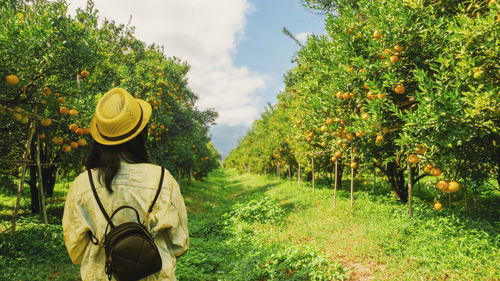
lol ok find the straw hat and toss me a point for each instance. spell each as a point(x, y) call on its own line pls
point(119, 117)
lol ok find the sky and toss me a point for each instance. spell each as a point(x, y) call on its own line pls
point(236, 49)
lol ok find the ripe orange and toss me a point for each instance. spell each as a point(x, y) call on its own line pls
point(421, 149)
point(43, 102)
point(12, 79)
point(365, 116)
point(323, 144)
point(17, 116)
point(333, 159)
point(299, 122)
point(57, 95)
point(339, 94)
point(399, 89)
point(73, 145)
point(377, 35)
point(359, 134)
point(57, 140)
point(329, 121)
point(349, 137)
point(47, 91)
point(381, 95)
point(338, 154)
point(365, 86)
point(84, 74)
point(340, 142)
point(427, 168)
point(435, 171)
point(73, 112)
point(438, 206)
point(370, 95)
point(64, 110)
point(73, 127)
point(41, 136)
point(453, 186)
point(413, 158)
point(323, 128)
point(86, 131)
point(379, 140)
point(60, 100)
point(365, 183)
point(346, 95)
point(46, 122)
point(442, 185)
point(398, 48)
point(354, 165)
point(79, 131)
point(66, 148)
point(394, 58)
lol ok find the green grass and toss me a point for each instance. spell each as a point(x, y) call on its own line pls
point(250, 227)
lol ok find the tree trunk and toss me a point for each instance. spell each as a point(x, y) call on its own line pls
point(35, 206)
point(397, 181)
point(340, 170)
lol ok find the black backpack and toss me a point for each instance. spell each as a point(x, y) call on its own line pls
point(131, 253)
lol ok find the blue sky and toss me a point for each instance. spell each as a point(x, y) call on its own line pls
point(236, 49)
point(265, 49)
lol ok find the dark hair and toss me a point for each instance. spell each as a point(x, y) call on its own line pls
point(106, 158)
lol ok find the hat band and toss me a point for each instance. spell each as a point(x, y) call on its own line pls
point(124, 136)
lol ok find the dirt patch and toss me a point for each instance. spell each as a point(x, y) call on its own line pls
point(360, 270)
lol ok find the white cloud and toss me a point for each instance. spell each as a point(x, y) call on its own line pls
point(203, 33)
point(302, 37)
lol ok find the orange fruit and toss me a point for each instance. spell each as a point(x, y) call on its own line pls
point(333, 159)
point(354, 165)
point(84, 74)
point(346, 95)
point(323, 144)
point(57, 140)
point(86, 131)
point(381, 95)
point(299, 122)
point(43, 102)
point(413, 158)
point(442, 185)
point(394, 58)
point(25, 120)
point(17, 116)
point(73, 112)
point(377, 35)
point(427, 168)
point(365, 116)
point(63, 110)
point(399, 89)
point(79, 131)
point(73, 127)
point(370, 95)
point(398, 48)
point(339, 94)
point(66, 148)
point(323, 128)
point(60, 100)
point(338, 154)
point(359, 134)
point(340, 142)
point(349, 137)
point(438, 206)
point(421, 149)
point(365, 86)
point(73, 145)
point(379, 140)
point(47, 91)
point(435, 171)
point(57, 95)
point(41, 136)
point(329, 121)
point(46, 122)
point(12, 79)
point(453, 186)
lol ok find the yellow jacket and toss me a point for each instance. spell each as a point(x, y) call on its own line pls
point(134, 185)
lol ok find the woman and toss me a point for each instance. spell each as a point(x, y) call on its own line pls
point(122, 175)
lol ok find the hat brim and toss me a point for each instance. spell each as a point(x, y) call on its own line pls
point(146, 111)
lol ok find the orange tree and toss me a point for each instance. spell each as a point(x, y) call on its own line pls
point(57, 67)
point(405, 83)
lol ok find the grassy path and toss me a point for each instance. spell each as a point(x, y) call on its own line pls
point(249, 227)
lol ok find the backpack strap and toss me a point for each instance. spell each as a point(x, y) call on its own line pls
point(156, 195)
point(97, 199)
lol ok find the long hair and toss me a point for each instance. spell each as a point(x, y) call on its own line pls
point(106, 158)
